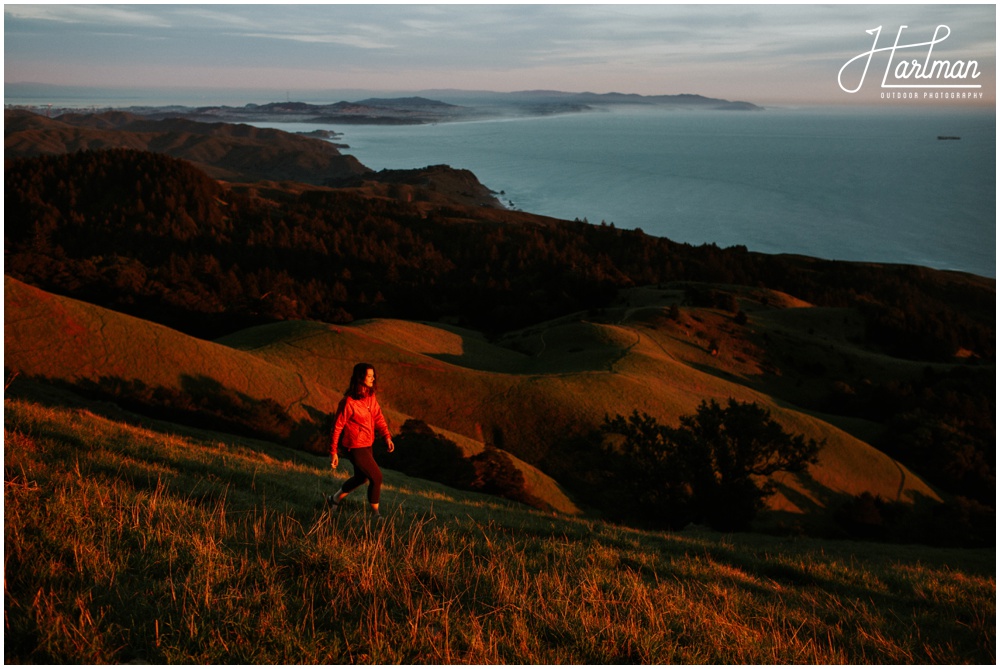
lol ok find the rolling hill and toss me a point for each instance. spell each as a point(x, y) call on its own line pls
point(525, 403)
point(60, 339)
point(556, 379)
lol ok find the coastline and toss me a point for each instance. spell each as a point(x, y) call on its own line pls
point(665, 173)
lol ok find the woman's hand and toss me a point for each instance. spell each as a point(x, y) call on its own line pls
point(334, 460)
point(391, 445)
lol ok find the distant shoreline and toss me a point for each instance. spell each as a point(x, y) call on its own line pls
point(413, 109)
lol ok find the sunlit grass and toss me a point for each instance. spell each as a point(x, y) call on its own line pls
point(523, 394)
point(126, 544)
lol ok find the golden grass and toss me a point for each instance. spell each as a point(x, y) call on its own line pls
point(125, 544)
point(61, 338)
point(304, 366)
point(521, 394)
point(575, 372)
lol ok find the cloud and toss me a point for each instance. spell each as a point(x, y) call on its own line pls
point(318, 38)
point(646, 48)
point(98, 15)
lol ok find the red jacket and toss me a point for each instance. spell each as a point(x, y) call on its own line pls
point(357, 422)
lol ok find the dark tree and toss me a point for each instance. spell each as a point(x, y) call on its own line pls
point(714, 467)
point(744, 446)
point(653, 471)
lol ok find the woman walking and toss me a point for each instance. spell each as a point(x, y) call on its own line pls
point(359, 419)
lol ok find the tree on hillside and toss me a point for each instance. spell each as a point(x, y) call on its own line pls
point(654, 470)
point(714, 467)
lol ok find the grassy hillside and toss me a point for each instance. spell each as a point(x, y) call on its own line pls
point(62, 339)
point(162, 544)
point(538, 386)
point(523, 394)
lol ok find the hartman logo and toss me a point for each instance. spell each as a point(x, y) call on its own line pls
point(911, 75)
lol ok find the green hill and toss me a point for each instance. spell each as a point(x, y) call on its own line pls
point(166, 545)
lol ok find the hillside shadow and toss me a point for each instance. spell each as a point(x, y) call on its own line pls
point(556, 348)
point(816, 503)
point(471, 362)
point(911, 517)
point(720, 374)
point(485, 356)
point(892, 597)
point(201, 404)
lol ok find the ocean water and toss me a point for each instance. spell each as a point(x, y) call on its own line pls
point(865, 185)
point(850, 184)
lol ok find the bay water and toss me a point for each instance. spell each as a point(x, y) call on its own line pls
point(849, 184)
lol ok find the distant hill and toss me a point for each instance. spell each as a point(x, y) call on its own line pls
point(224, 151)
point(438, 106)
point(683, 100)
point(464, 105)
point(231, 152)
point(411, 110)
point(415, 102)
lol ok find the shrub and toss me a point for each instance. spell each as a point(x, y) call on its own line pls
point(494, 473)
point(424, 453)
point(861, 516)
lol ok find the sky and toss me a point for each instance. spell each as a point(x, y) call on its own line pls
point(766, 54)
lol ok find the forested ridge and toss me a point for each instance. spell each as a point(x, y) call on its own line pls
point(152, 235)
point(155, 237)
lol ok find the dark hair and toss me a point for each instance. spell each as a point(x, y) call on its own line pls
point(357, 389)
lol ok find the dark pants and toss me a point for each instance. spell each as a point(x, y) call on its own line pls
point(365, 471)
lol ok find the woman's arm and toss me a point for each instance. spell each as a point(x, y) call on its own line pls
point(338, 427)
point(381, 426)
